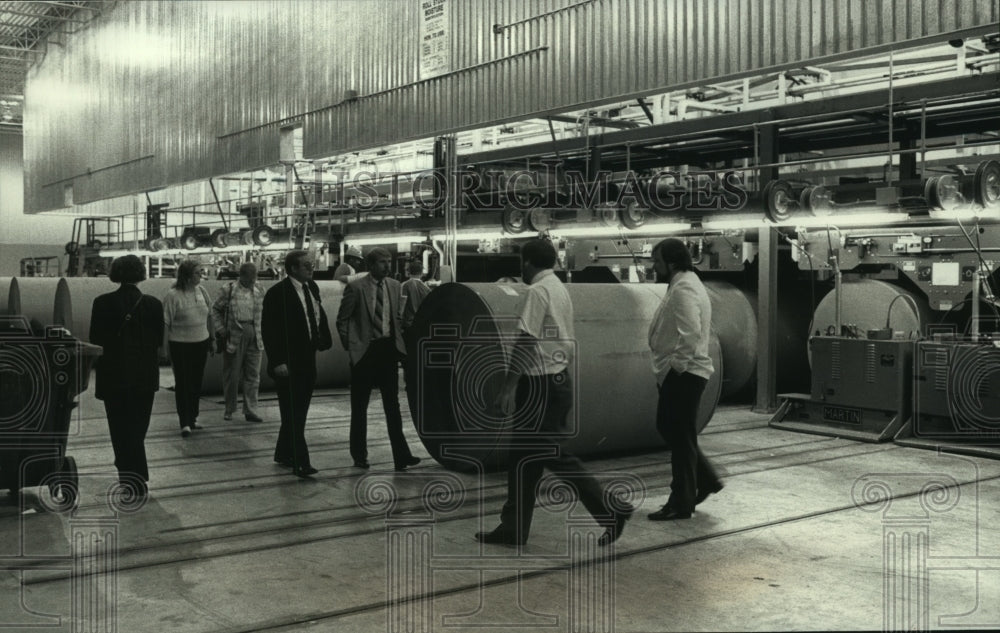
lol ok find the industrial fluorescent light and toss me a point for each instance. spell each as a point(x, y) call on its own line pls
point(966, 213)
point(473, 235)
point(608, 231)
point(841, 219)
point(375, 240)
point(854, 219)
point(734, 222)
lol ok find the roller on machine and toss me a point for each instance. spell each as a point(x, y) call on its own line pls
point(5, 294)
point(332, 366)
point(455, 357)
point(862, 374)
point(734, 320)
point(41, 299)
point(867, 304)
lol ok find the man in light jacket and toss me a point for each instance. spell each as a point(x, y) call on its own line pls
point(371, 331)
point(678, 337)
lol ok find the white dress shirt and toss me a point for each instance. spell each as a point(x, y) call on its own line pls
point(680, 330)
point(547, 315)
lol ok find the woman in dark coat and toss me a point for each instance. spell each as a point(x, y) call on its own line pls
point(129, 326)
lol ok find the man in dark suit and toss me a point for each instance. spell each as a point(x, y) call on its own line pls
point(371, 331)
point(294, 327)
point(129, 326)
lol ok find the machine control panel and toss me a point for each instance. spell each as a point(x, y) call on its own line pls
point(939, 260)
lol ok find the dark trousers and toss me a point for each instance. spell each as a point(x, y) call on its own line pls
point(188, 361)
point(377, 368)
point(294, 396)
point(677, 422)
point(533, 451)
point(128, 420)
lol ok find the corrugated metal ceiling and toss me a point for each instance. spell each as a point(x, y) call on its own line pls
point(24, 29)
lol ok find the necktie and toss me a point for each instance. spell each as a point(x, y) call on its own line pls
point(310, 313)
point(379, 308)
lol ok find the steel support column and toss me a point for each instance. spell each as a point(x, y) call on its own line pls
point(767, 285)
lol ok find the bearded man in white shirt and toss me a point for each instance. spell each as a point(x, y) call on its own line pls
point(678, 337)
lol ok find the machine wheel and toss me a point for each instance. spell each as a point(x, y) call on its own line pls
point(262, 235)
point(514, 220)
point(607, 214)
point(632, 215)
point(65, 489)
point(540, 220)
point(778, 201)
point(987, 184)
point(189, 241)
point(246, 238)
point(941, 192)
point(71, 248)
point(158, 244)
point(816, 200)
point(219, 238)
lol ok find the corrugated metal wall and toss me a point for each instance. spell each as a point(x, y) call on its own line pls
point(167, 92)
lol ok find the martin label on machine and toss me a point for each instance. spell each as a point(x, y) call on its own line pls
point(843, 415)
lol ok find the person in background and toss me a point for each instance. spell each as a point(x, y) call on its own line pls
point(129, 326)
point(295, 327)
point(370, 330)
point(414, 291)
point(678, 337)
point(187, 315)
point(546, 349)
point(237, 315)
point(352, 267)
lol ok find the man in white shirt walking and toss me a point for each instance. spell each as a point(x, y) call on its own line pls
point(545, 352)
point(678, 337)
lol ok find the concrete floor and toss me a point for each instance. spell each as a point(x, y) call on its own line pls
point(810, 533)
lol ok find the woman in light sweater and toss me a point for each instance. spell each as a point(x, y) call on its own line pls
point(187, 317)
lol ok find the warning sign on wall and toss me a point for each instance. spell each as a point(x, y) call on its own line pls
point(435, 40)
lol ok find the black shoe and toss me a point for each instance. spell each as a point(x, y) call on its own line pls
point(614, 531)
point(363, 464)
point(666, 513)
point(196, 426)
point(498, 536)
point(703, 494)
point(412, 461)
point(287, 463)
point(304, 472)
point(253, 417)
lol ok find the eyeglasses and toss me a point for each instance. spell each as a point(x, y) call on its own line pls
point(307, 264)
